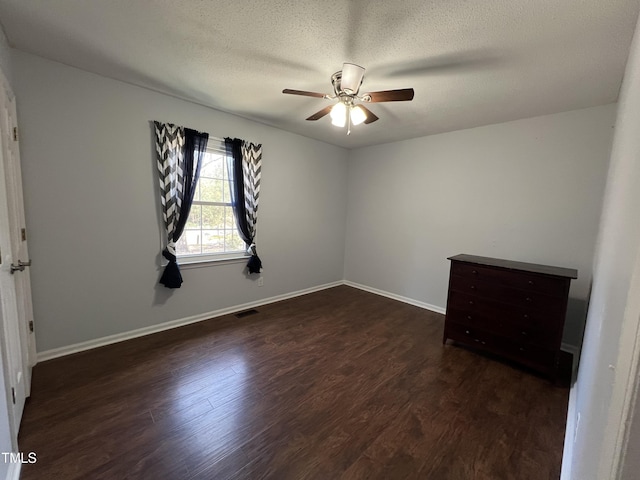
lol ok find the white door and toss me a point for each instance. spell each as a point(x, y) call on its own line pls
point(18, 230)
point(15, 291)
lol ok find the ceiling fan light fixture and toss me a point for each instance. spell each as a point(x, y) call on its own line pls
point(357, 115)
point(339, 115)
point(352, 76)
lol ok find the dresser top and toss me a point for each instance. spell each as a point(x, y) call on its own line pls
point(522, 266)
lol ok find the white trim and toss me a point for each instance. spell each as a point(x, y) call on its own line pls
point(570, 432)
point(400, 298)
point(567, 347)
point(140, 332)
point(14, 471)
point(198, 261)
point(575, 352)
point(626, 384)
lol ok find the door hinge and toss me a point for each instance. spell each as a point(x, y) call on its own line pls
point(15, 134)
point(31, 326)
point(23, 232)
point(13, 395)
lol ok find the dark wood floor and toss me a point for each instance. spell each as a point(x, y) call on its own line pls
point(335, 384)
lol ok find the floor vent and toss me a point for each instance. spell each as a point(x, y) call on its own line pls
point(246, 313)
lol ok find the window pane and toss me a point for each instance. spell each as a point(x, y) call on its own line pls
point(194, 219)
point(189, 243)
point(229, 218)
point(233, 241)
point(181, 245)
point(213, 241)
point(211, 190)
point(226, 194)
point(213, 166)
point(212, 216)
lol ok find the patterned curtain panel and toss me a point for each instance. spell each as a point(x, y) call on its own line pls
point(245, 170)
point(179, 153)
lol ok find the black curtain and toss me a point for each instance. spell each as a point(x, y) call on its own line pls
point(195, 146)
point(237, 187)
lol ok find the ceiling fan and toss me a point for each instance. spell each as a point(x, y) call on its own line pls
point(346, 85)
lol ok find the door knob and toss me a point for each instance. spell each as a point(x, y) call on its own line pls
point(20, 267)
point(17, 268)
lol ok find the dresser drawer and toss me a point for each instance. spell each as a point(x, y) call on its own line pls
point(469, 317)
point(548, 285)
point(513, 329)
point(502, 293)
point(535, 357)
point(469, 335)
point(538, 358)
point(471, 304)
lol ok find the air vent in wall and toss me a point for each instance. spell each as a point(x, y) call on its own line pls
point(246, 313)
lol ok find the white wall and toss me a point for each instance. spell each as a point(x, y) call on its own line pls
point(528, 190)
point(93, 213)
point(612, 322)
point(5, 57)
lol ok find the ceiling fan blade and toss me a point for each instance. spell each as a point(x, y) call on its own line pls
point(321, 113)
point(400, 95)
point(303, 93)
point(352, 76)
point(371, 117)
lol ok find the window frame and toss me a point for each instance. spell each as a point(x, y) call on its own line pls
point(202, 259)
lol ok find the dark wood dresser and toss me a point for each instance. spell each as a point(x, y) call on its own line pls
point(511, 309)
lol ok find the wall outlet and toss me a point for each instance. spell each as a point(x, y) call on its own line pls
point(261, 281)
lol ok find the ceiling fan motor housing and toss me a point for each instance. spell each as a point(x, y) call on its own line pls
point(348, 80)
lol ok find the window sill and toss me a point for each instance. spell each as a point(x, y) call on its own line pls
point(187, 263)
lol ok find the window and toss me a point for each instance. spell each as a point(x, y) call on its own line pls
point(210, 232)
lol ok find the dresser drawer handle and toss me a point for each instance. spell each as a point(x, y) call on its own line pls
point(528, 299)
point(531, 282)
point(524, 333)
point(526, 316)
point(467, 332)
point(472, 287)
point(475, 272)
point(469, 317)
point(470, 302)
point(522, 349)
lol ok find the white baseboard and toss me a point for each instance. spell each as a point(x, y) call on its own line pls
point(573, 350)
point(567, 347)
point(400, 298)
point(140, 332)
point(14, 471)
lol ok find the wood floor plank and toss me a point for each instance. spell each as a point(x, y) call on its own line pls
point(336, 384)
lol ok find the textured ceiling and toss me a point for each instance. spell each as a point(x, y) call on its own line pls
point(471, 62)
